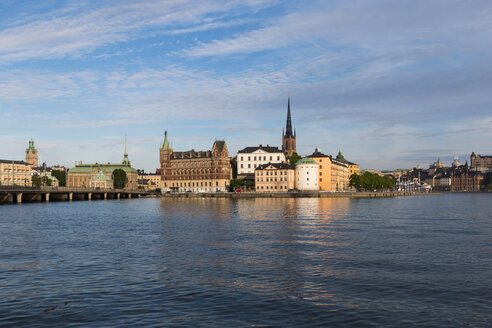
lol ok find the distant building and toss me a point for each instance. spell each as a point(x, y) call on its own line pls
point(15, 173)
point(195, 171)
point(90, 175)
point(288, 136)
point(274, 177)
point(149, 181)
point(307, 171)
point(480, 163)
point(249, 158)
point(32, 154)
point(464, 179)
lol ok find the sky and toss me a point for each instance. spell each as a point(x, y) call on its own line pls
point(390, 84)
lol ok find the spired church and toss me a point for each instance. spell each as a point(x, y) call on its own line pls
point(288, 137)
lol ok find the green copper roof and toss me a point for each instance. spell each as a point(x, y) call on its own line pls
point(340, 158)
point(126, 160)
point(306, 161)
point(31, 146)
point(106, 168)
point(165, 145)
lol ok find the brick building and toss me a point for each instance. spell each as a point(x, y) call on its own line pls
point(195, 171)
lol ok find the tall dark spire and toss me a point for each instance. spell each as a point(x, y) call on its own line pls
point(288, 127)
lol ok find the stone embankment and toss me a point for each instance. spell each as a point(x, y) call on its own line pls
point(297, 194)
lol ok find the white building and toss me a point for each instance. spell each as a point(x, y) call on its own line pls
point(250, 158)
point(307, 174)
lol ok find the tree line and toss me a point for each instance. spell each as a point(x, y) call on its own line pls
point(371, 181)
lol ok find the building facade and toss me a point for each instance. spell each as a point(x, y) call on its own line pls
point(480, 163)
point(324, 170)
point(463, 179)
point(288, 136)
point(249, 158)
point(307, 174)
point(195, 171)
point(32, 154)
point(90, 175)
point(15, 173)
point(149, 181)
point(274, 177)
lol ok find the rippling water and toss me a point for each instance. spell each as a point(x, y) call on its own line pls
point(255, 262)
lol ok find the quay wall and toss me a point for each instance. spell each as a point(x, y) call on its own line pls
point(297, 194)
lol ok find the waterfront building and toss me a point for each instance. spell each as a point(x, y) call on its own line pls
point(89, 175)
point(480, 163)
point(307, 171)
point(274, 177)
point(15, 173)
point(465, 179)
point(195, 171)
point(32, 154)
point(353, 168)
point(324, 170)
point(288, 135)
point(334, 173)
point(149, 181)
point(249, 158)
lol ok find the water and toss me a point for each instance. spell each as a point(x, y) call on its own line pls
point(408, 261)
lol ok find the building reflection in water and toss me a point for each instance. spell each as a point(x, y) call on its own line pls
point(278, 246)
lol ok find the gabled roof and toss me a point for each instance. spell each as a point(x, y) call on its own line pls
point(220, 144)
point(106, 168)
point(278, 166)
point(268, 149)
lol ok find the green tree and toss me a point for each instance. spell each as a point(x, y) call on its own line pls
point(371, 181)
point(119, 179)
point(294, 158)
point(61, 176)
point(36, 181)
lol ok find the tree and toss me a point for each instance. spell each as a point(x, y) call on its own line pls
point(371, 181)
point(119, 179)
point(294, 158)
point(61, 176)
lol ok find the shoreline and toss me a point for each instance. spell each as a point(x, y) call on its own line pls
point(318, 194)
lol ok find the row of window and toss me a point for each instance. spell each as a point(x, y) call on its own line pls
point(259, 158)
point(271, 187)
point(192, 184)
point(271, 179)
point(200, 171)
point(273, 172)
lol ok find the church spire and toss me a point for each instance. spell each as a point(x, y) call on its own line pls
point(165, 145)
point(126, 160)
point(288, 126)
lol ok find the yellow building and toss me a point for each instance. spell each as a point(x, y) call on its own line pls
point(149, 181)
point(324, 169)
point(15, 173)
point(334, 173)
point(274, 177)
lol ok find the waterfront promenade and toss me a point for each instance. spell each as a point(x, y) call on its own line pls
point(18, 194)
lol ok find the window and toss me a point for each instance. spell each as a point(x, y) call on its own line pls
point(271, 157)
point(320, 167)
point(254, 158)
point(249, 158)
point(307, 179)
point(278, 158)
point(320, 179)
point(249, 166)
point(264, 158)
point(320, 173)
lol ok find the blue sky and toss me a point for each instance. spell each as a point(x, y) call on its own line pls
point(389, 83)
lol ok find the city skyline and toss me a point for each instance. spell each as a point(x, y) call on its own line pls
point(391, 85)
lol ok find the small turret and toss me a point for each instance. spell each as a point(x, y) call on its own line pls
point(126, 160)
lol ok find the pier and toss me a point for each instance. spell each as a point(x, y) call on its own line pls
point(18, 195)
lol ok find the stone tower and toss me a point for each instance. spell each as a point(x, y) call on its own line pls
point(32, 154)
point(288, 137)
